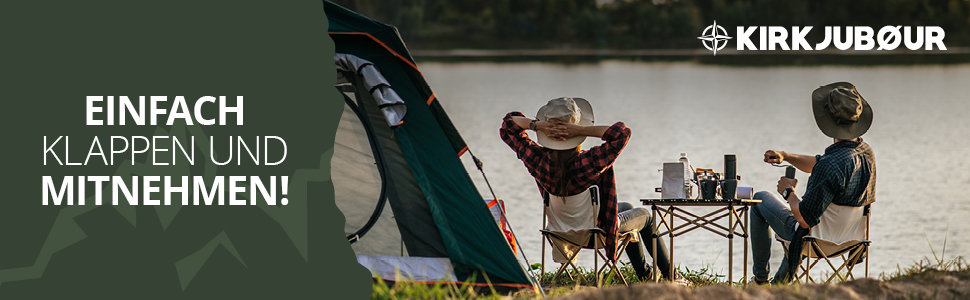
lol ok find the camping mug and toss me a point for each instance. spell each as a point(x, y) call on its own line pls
point(708, 189)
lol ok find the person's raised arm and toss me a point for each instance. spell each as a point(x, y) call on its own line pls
point(602, 156)
point(566, 130)
point(800, 161)
point(513, 133)
point(526, 122)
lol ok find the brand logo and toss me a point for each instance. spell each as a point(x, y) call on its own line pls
point(714, 37)
point(860, 38)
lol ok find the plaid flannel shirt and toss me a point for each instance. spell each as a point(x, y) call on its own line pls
point(591, 167)
point(845, 175)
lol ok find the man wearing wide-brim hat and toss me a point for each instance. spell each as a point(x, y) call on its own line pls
point(845, 175)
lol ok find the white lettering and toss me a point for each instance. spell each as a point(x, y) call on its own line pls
point(798, 38)
point(777, 35)
point(863, 38)
point(91, 109)
point(934, 36)
point(907, 37)
point(180, 110)
point(744, 38)
point(837, 40)
point(223, 109)
point(67, 187)
point(234, 189)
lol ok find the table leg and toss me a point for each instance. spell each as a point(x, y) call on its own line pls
point(744, 214)
point(653, 243)
point(671, 225)
point(730, 237)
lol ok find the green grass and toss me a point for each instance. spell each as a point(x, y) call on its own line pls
point(407, 290)
point(563, 286)
point(927, 270)
point(931, 269)
point(586, 276)
point(702, 277)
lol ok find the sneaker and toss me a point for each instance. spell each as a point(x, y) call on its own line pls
point(649, 276)
point(758, 282)
point(680, 280)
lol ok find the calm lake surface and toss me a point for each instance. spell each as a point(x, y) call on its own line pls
point(921, 137)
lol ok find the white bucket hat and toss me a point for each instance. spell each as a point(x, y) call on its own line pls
point(569, 110)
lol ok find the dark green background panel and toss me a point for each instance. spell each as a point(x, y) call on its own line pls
point(275, 54)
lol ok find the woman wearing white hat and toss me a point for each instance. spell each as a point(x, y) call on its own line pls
point(560, 167)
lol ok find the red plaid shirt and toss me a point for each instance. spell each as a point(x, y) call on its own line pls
point(591, 167)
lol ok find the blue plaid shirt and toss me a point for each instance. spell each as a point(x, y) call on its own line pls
point(845, 175)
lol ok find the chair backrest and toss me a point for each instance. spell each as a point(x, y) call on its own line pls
point(838, 226)
point(842, 223)
point(571, 219)
point(576, 212)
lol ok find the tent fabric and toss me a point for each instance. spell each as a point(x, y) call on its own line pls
point(412, 268)
point(377, 39)
point(358, 184)
point(419, 235)
point(431, 147)
point(390, 103)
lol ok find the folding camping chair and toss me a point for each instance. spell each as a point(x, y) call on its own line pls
point(842, 231)
point(569, 225)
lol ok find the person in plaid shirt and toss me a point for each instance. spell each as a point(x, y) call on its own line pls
point(845, 175)
point(560, 167)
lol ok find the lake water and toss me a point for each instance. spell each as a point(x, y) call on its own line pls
point(921, 137)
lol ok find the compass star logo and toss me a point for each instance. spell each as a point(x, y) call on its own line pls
point(714, 37)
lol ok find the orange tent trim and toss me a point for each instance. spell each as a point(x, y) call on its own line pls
point(385, 47)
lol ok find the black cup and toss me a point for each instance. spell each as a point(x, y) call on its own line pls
point(708, 189)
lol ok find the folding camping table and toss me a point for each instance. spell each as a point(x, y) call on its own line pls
point(736, 211)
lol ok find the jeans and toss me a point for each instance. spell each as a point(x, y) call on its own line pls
point(772, 213)
point(640, 218)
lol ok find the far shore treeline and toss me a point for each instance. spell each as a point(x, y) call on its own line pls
point(633, 24)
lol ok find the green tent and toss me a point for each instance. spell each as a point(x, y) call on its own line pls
point(412, 212)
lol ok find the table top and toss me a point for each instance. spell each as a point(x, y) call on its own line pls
point(699, 202)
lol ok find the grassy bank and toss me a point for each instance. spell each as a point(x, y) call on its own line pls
point(926, 279)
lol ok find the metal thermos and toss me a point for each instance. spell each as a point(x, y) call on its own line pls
point(729, 187)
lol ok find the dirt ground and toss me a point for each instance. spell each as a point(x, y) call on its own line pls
point(933, 285)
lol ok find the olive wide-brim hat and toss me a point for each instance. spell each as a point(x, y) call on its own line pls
point(569, 110)
point(840, 111)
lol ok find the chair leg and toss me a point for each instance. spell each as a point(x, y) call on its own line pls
point(596, 271)
point(855, 255)
point(542, 267)
point(850, 258)
point(808, 271)
point(822, 255)
point(564, 268)
point(567, 264)
point(611, 268)
point(623, 245)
